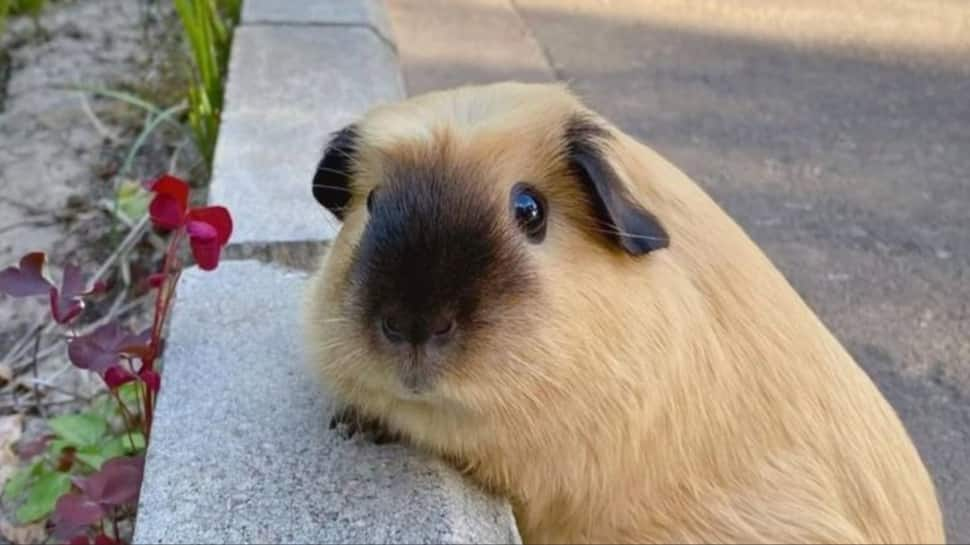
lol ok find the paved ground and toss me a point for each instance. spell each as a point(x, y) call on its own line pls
point(836, 132)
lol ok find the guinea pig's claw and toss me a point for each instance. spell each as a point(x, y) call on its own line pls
point(348, 422)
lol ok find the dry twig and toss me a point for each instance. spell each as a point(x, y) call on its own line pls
point(98, 125)
point(22, 365)
point(41, 410)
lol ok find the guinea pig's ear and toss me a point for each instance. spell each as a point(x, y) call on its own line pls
point(589, 154)
point(331, 182)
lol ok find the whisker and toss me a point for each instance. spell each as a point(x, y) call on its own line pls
point(321, 168)
point(341, 151)
point(335, 320)
point(344, 360)
point(340, 208)
point(332, 187)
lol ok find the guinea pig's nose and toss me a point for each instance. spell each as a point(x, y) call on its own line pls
point(443, 327)
point(418, 330)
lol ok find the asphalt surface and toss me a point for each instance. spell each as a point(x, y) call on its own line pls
point(836, 132)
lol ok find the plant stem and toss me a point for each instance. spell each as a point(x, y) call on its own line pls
point(138, 397)
point(162, 303)
point(129, 420)
point(149, 412)
point(114, 524)
point(141, 395)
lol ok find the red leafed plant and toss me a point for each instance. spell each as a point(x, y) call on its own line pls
point(120, 356)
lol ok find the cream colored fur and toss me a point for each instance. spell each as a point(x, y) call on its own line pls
point(688, 395)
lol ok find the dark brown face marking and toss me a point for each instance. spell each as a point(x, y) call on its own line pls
point(436, 255)
point(634, 229)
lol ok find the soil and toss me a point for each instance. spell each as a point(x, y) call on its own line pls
point(60, 154)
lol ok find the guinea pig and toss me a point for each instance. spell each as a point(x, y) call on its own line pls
point(519, 287)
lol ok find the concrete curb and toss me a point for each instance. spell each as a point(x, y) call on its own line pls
point(289, 87)
point(361, 13)
point(261, 465)
point(241, 451)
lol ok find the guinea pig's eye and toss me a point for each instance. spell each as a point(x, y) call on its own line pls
point(370, 199)
point(529, 210)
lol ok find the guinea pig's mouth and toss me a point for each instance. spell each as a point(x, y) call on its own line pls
point(417, 371)
point(414, 349)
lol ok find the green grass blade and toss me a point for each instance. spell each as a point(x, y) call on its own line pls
point(167, 115)
point(123, 96)
point(208, 28)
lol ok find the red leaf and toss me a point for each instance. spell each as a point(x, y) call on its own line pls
point(166, 212)
point(216, 216)
point(64, 310)
point(167, 209)
point(103, 539)
point(142, 352)
point(151, 379)
point(28, 279)
point(137, 344)
point(79, 540)
point(103, 347)
point(98, 350)
point(149, 364)
point(117, 483)
point(209, 230)
point(75, 512)
point(33, 448)
point(66, 303)
point(99, 287)
point(200, 230)
point(205, 252)
point(166, 184)
point(156, 280)
point(72, 283)
point(116, 376)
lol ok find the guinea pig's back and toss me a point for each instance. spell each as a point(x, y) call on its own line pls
point(880, 476)
point(799, 397)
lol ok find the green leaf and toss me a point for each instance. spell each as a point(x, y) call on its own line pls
point(134, 444)
point(80, 430)
point(18, 482)
point(151, 124)
point(93, 457)
point(55, 446)
point(115, 448)
point(131, 395)
point(96, 456)
point(4, 9)
point(48, 488)
point(132, 199)
point(104, 406)
point(28, 7)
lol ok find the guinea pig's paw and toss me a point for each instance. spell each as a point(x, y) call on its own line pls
point(346, 421)
point(349, 422)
